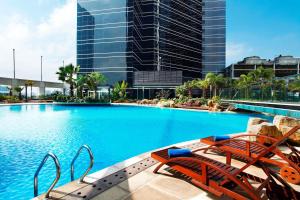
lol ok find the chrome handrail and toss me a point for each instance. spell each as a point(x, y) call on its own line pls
point(57, 165)
point(90, 166)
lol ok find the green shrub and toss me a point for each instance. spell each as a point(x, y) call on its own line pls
point(12, 99)
point(181, 91)
point(216, 99)
point(3, 98)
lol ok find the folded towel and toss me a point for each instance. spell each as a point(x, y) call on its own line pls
point(221, 138)
point(179, 153)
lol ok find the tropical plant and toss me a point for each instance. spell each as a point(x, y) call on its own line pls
point(18, 90)
point(67, 74)
point(81, 83)
point(204, 85)
point(244, 82)
point(263, 78)
point(10, 89)
point(163, 94)
point(214, 81)
point(181, 91)
point(94, 79)
point(294, 85)
point(119, 91)
point(190, 85)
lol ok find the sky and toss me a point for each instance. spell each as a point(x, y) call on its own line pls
point(47, 28)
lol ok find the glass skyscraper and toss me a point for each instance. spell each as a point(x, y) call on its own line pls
point(154, 43)
point(213, 37)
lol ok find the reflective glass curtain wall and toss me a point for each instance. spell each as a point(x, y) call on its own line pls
point(167, 36)
point(180, 37)
point(118, 37)
point(104, 38)
point(214, 40)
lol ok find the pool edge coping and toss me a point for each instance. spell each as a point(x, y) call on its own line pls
point(100, 174)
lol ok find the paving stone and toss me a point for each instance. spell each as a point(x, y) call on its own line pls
point(150, 193)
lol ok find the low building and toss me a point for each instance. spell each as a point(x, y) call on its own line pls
point(282, 66)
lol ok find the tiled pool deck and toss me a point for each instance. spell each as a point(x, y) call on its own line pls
point(134, 179)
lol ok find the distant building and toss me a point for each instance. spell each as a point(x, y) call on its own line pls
point(282, 66)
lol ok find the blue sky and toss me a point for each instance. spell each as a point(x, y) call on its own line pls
point(265, 28)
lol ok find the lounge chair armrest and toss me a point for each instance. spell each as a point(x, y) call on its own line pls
point(255, 135)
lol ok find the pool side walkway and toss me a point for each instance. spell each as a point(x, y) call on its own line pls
point(134, 179)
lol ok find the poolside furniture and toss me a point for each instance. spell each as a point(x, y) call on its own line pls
point(236, 146)
point(223, 179)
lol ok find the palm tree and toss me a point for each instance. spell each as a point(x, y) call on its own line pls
point(94, 79)
point(280, 86)
point(10, 90)
point(62, 74)
point(262, 76)
point(204, 85)
point(67, 74)
point(80, 84)
point(244, 82)
point(190, 85)
point(19, 89)
point(214, 81)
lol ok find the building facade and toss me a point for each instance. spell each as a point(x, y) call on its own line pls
point(213, 36)
point(150, 43)
point(282, 66)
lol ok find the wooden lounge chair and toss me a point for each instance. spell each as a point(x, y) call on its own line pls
point(289, 165)
point(225, 180)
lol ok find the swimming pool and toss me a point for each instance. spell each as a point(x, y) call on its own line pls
point(114, 133)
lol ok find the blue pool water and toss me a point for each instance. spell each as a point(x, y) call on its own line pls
point(114, 133)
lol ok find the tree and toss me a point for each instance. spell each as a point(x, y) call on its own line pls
point(190, 85)
point(244, 82)
point(10, 90)
point(278, 86)
point(214, 81)
point(93, 80)
point(19, 89)
point(81, 84)
point(263, 77)
point(67, 74)
point(204, 85)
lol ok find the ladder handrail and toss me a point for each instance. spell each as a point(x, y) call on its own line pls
point(57, 165)
point(90, 166)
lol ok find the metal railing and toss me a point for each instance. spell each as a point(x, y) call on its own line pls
point(57, 165)
point(90, 166)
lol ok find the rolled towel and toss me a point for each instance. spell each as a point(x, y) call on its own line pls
point(221, 138)
point(179, 153)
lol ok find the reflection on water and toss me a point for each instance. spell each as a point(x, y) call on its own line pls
point(114, 133)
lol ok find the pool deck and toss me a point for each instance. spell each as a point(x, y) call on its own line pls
point(134, 179)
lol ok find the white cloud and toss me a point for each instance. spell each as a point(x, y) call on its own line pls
point(236, 52)
point(54, 38)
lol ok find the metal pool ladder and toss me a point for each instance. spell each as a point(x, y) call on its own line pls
point(57, 165)
point(90, 166)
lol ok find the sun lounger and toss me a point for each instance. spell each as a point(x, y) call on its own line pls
point(225, 180)
point(289, 164)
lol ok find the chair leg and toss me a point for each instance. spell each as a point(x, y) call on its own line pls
point(158, 167)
